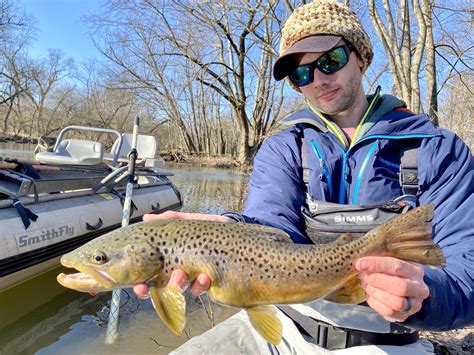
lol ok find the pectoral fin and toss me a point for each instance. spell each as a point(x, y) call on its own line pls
point(170, 305)
point(265, 321)
point(351, 292)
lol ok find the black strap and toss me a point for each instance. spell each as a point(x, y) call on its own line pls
point(409, 169)
point(25, 214)
point(133, 206)
point(331, 337)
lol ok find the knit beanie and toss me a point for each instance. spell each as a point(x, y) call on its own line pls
point(321, 17)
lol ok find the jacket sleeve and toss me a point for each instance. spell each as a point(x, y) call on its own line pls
point(275, 192)
point(446, 174)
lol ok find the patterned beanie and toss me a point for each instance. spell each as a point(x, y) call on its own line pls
point(322, 17)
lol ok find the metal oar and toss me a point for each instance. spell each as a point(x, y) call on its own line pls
point(112, 326)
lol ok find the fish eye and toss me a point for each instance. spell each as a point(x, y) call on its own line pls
point(99, 258)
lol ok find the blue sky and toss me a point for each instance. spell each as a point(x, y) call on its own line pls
point(59, 26)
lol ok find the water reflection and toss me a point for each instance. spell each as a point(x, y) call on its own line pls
point(41, 317)
point(210, 190)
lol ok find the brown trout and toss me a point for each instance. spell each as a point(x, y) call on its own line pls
point(250, 266)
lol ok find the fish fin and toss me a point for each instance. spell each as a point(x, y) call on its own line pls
point(344, 239)
point(408, 237)
point(265, 321)
point(351, 292)
point(170, 305)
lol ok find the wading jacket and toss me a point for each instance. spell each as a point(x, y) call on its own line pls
point(365, 172)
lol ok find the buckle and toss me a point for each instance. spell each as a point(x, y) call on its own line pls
point(331, 338)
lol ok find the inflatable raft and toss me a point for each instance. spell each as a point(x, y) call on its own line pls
point(71, 195)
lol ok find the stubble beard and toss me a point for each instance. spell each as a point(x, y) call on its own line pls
point(347, 98)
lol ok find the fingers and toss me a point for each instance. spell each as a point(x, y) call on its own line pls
point(200, 285)
point(173, 215)
point(390, 266)
point(388, 311)
point(179, 279)
point(388, 282)
point(141, 290)
point(396, 286)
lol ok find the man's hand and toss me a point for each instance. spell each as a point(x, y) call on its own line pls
point(395, 288)
point(178, 277)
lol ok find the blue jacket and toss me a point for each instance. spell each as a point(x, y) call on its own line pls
point(365, 173)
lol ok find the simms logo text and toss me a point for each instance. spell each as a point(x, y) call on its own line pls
point(354, 219)
point(45, 235)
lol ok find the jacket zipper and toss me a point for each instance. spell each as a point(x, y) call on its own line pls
point(342, 192)
point(323, 166)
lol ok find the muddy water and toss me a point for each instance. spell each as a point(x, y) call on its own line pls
point(41, 317)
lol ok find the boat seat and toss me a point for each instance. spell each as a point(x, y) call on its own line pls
point(146, 148)
point(73, 152)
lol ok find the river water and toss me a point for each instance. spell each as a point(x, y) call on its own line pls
point(41, 317)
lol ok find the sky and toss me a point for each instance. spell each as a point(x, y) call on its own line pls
point(59, 26)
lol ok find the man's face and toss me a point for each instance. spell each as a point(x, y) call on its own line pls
point(333, 93)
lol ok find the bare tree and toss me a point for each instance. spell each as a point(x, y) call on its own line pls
point(15, 32)
point(420, 51)
point(46, 75)
point(170, 49)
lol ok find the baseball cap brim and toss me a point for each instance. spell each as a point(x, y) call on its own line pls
point(312, 44)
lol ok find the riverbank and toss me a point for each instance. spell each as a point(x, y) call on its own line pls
point(459, 341)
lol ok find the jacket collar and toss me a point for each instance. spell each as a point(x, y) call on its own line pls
point(381, 118)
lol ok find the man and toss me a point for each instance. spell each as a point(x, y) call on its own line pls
point(349, 145)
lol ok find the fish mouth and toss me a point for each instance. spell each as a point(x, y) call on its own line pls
point(88, 279)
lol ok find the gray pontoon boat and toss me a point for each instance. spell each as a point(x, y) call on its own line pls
point(71, 195)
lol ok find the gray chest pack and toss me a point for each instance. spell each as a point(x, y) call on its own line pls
point(326, 221)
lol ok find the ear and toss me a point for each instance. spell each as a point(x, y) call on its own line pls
point(361, 64)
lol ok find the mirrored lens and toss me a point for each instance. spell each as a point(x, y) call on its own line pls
point(329, 63)
point(301, 76)
point(332, 61)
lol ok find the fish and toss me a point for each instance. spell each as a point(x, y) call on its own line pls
point(251, 266)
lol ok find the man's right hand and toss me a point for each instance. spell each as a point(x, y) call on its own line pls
point(178, 277)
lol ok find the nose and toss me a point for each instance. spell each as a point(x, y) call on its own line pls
point(320, 79)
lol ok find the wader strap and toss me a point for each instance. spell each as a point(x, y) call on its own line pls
point(408, 176)
point(304, 164)
point(308, 324)
point(331, 337)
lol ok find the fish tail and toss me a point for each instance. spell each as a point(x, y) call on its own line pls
point(408, 237)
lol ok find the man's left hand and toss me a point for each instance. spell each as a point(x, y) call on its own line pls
point(395, 288)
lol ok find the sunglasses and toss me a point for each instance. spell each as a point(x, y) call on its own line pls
point(328, 63)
